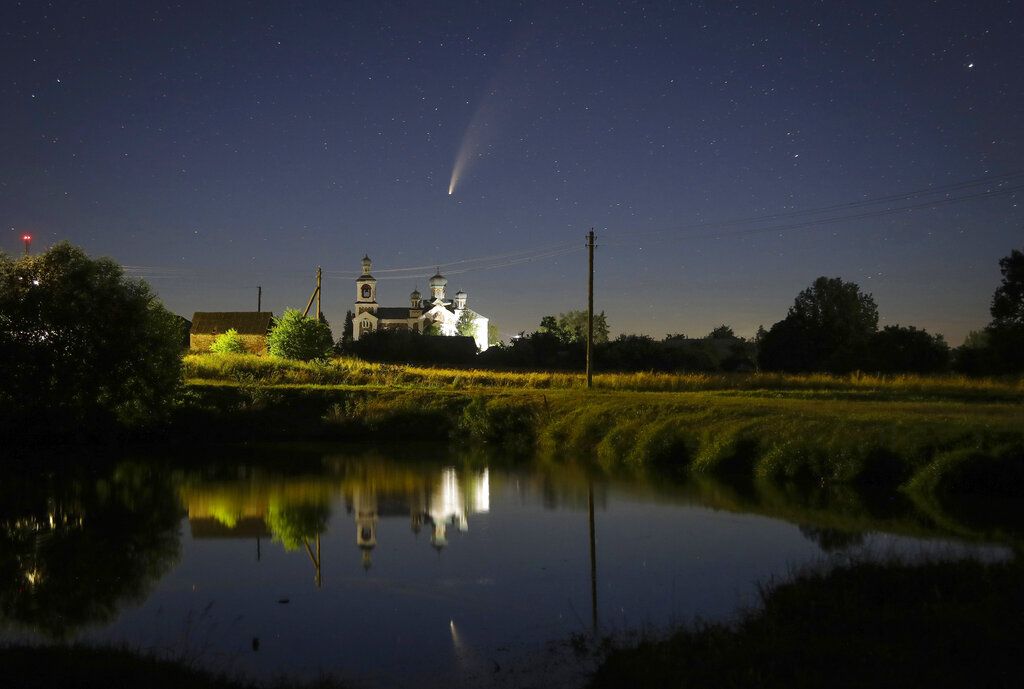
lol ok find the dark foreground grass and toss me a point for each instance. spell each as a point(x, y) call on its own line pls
point(84, 667)
point(939, 624)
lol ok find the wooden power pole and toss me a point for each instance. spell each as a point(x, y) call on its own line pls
point(319, 311)
point(259, 298)
point(590, 308)
point(315, 295)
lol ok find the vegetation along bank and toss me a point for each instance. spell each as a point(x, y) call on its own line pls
point(926, 434)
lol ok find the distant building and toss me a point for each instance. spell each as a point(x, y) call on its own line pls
point(370, 316)
point(252, 327)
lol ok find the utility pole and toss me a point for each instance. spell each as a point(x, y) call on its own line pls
point(259, 298)
point(28, 242)
point(315, 295)
point(590, 309)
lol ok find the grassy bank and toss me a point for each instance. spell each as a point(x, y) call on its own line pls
point(940, 624)
point(933, 445)
point(212, 368)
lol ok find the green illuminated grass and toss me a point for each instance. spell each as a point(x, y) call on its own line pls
point(927, 434)
point(347, 371)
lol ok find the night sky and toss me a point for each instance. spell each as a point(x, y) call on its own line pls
point(214, 146)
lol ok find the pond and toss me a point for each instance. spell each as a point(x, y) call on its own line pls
point(416, 565)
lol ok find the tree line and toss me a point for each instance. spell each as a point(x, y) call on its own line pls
point(84, 347)
point(832, 327)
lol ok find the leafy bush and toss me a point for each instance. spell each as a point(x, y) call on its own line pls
point(229, 342)
point(82, 347)
point(294, 336)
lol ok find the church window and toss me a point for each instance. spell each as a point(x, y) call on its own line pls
point(366, 291)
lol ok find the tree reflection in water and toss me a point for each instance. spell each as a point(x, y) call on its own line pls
point(74, 552)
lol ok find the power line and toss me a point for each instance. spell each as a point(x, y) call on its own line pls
point(508, 258)
point(831, 220)
point(891, 198)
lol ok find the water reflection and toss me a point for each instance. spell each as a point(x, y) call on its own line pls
point(444, 562)
point(296, 512)
point(73, 552)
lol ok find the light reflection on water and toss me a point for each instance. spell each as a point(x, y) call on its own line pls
point(439, 574)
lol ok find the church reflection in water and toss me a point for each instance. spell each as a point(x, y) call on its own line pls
point(295, 512)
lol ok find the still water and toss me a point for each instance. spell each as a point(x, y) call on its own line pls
point(414, 566)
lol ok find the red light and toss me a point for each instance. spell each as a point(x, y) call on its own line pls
point(27, 238)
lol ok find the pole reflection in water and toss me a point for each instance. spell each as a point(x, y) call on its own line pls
point(593, 557)
point(84, 566)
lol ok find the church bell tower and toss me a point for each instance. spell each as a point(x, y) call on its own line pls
point(366, 290)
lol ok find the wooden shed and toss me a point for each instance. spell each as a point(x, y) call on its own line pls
point(252, 326)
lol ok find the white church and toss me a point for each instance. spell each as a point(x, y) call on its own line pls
point(369, 316)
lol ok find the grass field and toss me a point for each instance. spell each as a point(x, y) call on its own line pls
point(346, 371)
point(926, 434)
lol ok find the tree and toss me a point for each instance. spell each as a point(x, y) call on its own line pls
point(572, 327)
point(293, 336)
point(74, 552)
point(827, 329)
point(896, 349)
point(228, 342)
point(1006, 331)
point(466, 326)
point(549, 325)
point(294, 523)
point(1008, 301)
point(432, 328)
point(348, 328)
point(82, 346)
point(493, 334)
point(722, 332)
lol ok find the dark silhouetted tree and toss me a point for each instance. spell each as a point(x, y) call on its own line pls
point(348, 328)
point(722, 332)
point(827, 329)
point(895, 349)
point(1006, 331)
point(81, 345)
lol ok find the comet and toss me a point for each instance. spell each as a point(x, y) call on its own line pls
point(475, 140)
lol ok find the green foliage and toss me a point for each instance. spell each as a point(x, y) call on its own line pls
point(493, 334)
point(293, 336)
point(292, 524)
point(466, 325)
point(432, 328)
point(572, 327)
point(82, 346)
point(228, 342)
point(504, 421)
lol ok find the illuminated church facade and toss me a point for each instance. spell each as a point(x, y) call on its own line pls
point(420, 314)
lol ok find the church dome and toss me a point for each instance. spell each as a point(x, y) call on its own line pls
point(438, 280)
point(460, 293)
point(415, 295)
